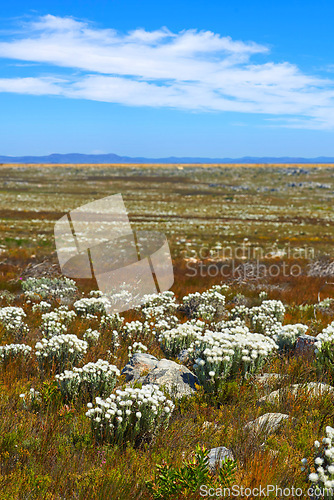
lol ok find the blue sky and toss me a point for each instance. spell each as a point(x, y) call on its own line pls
point(155, 79)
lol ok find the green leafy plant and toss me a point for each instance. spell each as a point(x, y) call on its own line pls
point(178, 482)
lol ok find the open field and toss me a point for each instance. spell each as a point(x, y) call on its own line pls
point(250, 219)
point(169, 165)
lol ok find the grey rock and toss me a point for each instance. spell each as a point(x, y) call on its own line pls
point(138, 364)
point(305, 345)
point(218, 455)
point(267, 423)
point(177, 379)
point(312, 388)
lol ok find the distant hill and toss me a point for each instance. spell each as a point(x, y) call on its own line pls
point(113, 158)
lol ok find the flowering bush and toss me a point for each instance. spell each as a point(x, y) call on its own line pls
point(163, 324)
point(130, 415)
point(41, 307)
point(323, 477)
point(55, 322)
point(267, 314)
point(11, 319)
point(230, 323)
point(285, 335)
point(239, 312)
point(159, 305)
point(49, 288)
point(205, 305)
point(91, 336)
point(93, 379)
point(95, 293)
point(263, 295)
point(111, 322)
point(327, 335)
point(173, 341)
point(136, 347)
point(61, 351)
point(324, 349)
point(91, 306)
point(12, 351)
point(325, 304)
point(220, 355)
point(135, 329)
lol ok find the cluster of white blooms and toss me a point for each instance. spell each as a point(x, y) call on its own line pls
point(218, 355)
point(159, 305)
point(11, 318)
point(263, 316)
point(230, 323)
point(263, 295)
point(134, 329)
point(93, 379)
point(205, 305)
point(239, 312)
point(91, 336)
point(325, 304)
point(49, 288)
point(323, 477)
point(41, 307)
point(136, 347)
point(166, 323)
point(285, 335)
point(112, 325)
point(12, 351)
point(91, 306)
point(55, 322)
point(6, 297)
point(173, 341)
point(62, 351)
point(327, 335)
point(111, 322)
point(131, 414)
point(267, 314)
point(31, 398)
point(95, 293)
point(324, 348)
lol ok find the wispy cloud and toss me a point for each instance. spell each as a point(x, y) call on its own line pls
point(193, 70)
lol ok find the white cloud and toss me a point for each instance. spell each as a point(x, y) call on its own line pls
point(194, 70)
point(33, 86)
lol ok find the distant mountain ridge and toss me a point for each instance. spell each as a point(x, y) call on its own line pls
point(75, 158)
